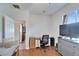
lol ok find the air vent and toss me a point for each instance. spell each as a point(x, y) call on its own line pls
point(16, 6)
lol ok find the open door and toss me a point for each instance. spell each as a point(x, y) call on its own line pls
point(23, 33)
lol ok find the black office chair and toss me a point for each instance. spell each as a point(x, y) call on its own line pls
point(44, 41)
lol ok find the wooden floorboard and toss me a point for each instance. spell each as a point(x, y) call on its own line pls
point(50, 51)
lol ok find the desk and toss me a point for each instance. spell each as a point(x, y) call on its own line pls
point(38, 42)
point(35, 42)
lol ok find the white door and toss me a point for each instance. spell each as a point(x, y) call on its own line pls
point(20, 33)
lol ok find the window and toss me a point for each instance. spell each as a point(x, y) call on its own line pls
point(72, 17)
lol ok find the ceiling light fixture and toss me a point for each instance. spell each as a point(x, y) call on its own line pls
point(16, 6)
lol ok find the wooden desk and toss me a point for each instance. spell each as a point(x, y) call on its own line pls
point(32, 42)
point(35, 42)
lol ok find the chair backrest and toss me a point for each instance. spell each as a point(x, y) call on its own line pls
point(45, 38)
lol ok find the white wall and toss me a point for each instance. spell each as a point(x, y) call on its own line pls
point(57, 19)
point(0, 30)
point(38, 25)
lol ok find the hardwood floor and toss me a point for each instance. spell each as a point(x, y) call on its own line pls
point(50, 51)
point(22, 46)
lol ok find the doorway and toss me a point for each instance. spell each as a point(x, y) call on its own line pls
point(22, 35)
point(23, 32)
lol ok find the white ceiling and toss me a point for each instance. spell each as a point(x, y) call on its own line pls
point(46, 8)
point(34, 8)
point(42, 8)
